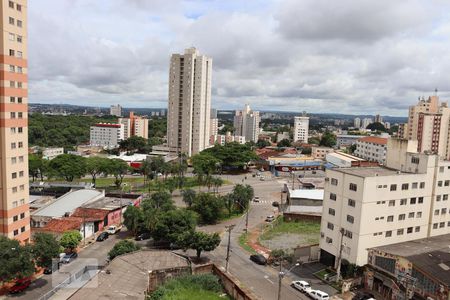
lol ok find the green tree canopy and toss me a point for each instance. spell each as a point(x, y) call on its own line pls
point(262, 144)
point(68, 166)
point(96, 165)
point(70, 239)
point(377, 126)
point(208, 207)
point(242, 195)
point(45, 247)
point(123, 247)
point(160, 200)
point(133, 218)
point(199, 241)
point(188, 196)
point(15, 260)
point(172, 223)
point(328, 139)
point(35, 166)
point(284, 143)
point(232, 155)
point(119, 168)
point(205, 163)
point(134, 143)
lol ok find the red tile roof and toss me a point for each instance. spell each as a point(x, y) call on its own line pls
point(374, 140)
point(90, 214)
point(63, 224)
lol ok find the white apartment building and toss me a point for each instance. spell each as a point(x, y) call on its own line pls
point(357, 123)
point(366, 122)
point(301, 127)
point(134, 125)
point(227, 138)
point(189, 102)
point(372, 148)
point(51, 153)
point(246, 123)
point(374, 206)
point(115, 110)
point(107, 135)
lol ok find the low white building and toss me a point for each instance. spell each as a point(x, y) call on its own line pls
point(345, 140)
point(51, 153)
point(342, 160)
point(372, 148)
point(227, 138)
point(106, 135)
point(320, 152)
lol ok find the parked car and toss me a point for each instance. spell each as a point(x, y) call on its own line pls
point(69, 257)
point(275, 204)
point(143, 236)
point(113, 229)
point(102, 236)
point(262, 178)
point(48, 270)
point(301, 285)
point(256, 199)
point(20, 285)
point(360, 295)
point(270, 218)
point(318, 295)
point(258, 259)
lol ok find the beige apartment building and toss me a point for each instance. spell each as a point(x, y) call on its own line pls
point(372, 148)
point(246, 123)
point(134, 126)
point(301, 129)
point(188, 122)
point(14, 203)
point(369, 207)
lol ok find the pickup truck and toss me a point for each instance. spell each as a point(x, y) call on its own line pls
point(113, 229)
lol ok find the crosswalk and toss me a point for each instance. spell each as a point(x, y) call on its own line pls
point(261, 202)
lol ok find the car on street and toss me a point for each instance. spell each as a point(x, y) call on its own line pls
point(20, 285)
point(258, 259)
point(262, 178)
point(301, 285)
point(256, 199)
point(69, 257)
point(143, 236)
point(318, 295)
point(113, 229)
point(270, 218)
point(275, 204)
point(102, 236)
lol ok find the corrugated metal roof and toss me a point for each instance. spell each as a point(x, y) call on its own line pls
point(307, 194)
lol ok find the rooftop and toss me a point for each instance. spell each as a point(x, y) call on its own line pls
point(68, 203)
point(368, 171)
point(90, 214)
point(344, 156)
point(374, 140)
point(128, 278)
point(307, 194)
point(63, 225)
point(112, 202)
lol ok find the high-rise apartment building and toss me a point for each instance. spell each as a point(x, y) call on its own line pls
point(134, 125)
point(246, 123)
point(301, 128)
point(115, 110)
point(366, 122)
point(14, 203)
point(369, 207)
point(378, 119)
point(214, 126)
point(189, 102)
point(357, 123)
point(106, 135)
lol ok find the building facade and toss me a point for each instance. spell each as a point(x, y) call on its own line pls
point(14, 203)
point(115, 110)
point(320, 152)
point(107, 135)
point(369, 207)
point(246, 123)
point(372, 148)
point(345, 140)
point(227, 138)
point(134, 126)
point(51, 153)
point(189, 102)
point(301, 127)
point(357, 123)
point(366, 122)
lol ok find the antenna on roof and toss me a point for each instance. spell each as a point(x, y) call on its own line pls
point(435, 92)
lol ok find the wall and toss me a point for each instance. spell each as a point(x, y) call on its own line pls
point(292, 217)
point(158, 277)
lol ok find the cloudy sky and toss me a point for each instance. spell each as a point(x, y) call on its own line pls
point(346, 56)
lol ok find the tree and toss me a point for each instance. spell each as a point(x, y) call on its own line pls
point(208, 207)
point(217, 183)
point(68, 166)
point(96, 165)
point(199, 241)
point(328, 139)
point(70, 239)
point(284, 143)
point(232, 155)
point(15, 260)
point(188, 196)
point(133, 143)
point(45, 247)
point(377, 126)
point(119, 168)
point(262, 144)
point(307, 150)
point(205, 163)
point(242, 195)
point(123, 247)
point(133, 218)
point(35, 166)
point(314, 140)
point(228, 201)
point(172, 223)
point(160, 200)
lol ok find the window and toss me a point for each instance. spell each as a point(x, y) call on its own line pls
point(14, 204)
point(420, 200)
point(353, 187)
point(22, 215)
point(20, 145)
point(12, 130)
point(411, 215)
point(21, 174)
point(438, 198)
point(443, 211)
point(442, 224)
point(350, 219)
point(351, 202)
point(348, 234)
point(11, 20)
point(11, 4)
point(400, 232)
point(409, 230)
point(19, 85)
point(12, 115)
point(405, 186)
point(401, 217)
point(15, 218)
point(415, 160)
point(19, 100)
point(330, 226)
point(22, 201)
point(19, 39)
point(12, 84)
point(435, 225)
point(22, 229)
point(14, 189)
point(417, 229)
point(20, 129)
point(334, 181)
point(422, 185)
point(19, 7)
point(19, 53)
point(22, 187)
point(439, 183)
point(12, 37)
point(331, 211)
point(20, 115)
point(19, 70)
point(333, 196)
point(390, 218)
point(13, 145)
point(12, 68)
point(413, 200)
point(414, 185)
point(393, 187)
point(21, 158)
point(436, 212)
point(16, 232)
point(11, 52)
point(19, 23)
point(445, 197)
point(13, 160)
point(403, 201)
point(391, 202)
point(419, 214)
point(329, 240)
point(389, 233)
point(12, 99)
point(14, 175)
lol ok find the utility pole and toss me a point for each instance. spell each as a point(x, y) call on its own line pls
point(246, 218)
point(293, 177)
point(280, 278)
point(84, 227)
point(229, 228)
point(341, 247)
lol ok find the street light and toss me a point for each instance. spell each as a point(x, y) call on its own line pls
point(281, 275)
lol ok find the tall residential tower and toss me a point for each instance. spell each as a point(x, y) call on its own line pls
point(14, 204)
point(301, 128)
point(189, 102)
point(246, 123)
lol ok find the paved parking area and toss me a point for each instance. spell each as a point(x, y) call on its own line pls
point(306, 272)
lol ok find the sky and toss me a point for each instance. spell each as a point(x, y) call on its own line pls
point(318, 56)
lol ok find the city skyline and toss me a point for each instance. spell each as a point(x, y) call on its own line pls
point(261, 57)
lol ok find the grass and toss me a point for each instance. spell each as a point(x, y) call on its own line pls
point(192, 293)
point(226, 217)
point(243, 242)
point(281, 227)
point(321, 275)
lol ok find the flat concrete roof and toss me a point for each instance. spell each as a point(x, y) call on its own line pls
point(110, 203)
point(313, 210)
point(306, 194)
point(68, 203)
point(368, 171)
point(128, 278)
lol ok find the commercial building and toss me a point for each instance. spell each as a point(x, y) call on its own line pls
point(320, 152)
point(301, 127)
point(343, 160)
point(357, 123)
point(107, 135)
point(14, 207)
point(134, 126)
point(246, 123)
point(227, 138)
point(189, 102)
point(51, 153)
point(345, 140)
point(372, 148)
point(370, 207)
point(115, 110)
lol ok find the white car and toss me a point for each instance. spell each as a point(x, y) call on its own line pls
point(256, 199)
point(301, 285)
point(318, 295)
